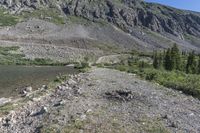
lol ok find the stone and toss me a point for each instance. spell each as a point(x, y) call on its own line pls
point(44, 110)
point(28, 89)
point(191, 114)
point(78, 90)
point(59, 87)
point(36, 99)
point(45, 87)
point(89, 111)
point(24, 93)
point(83, 117)
point(6, 122)
point(60, 103)
point(71, 82)
point(4, 101)
point(174, 125)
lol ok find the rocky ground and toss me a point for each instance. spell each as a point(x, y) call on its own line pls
point(105, 100)
point(67, 43)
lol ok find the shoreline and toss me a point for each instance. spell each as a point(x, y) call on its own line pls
point(36, 93)
point(101, 100)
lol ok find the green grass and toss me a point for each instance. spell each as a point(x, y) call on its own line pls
point(5, 109)
point(78, 20)
point(7, 19)
point(149, 125)
point(13, 56)
point(48, 14)
point(82, 67)
point(187, 83)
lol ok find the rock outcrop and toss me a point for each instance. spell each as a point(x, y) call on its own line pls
point(126, 14)
point(128, 24)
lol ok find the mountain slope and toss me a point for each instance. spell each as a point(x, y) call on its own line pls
point(136, 24)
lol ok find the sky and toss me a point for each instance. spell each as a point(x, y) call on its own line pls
point(193, 5)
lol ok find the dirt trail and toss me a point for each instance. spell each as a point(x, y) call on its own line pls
point(105, 100)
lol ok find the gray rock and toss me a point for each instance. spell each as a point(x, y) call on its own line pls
point(44, 110)
point(3, 101)
point(60, 103)
point(126, 15)
point(45, 87)
point(174, 124)
point(28, 89)
point(71, 82)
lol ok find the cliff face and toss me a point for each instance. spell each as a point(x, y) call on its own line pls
point(128, 15)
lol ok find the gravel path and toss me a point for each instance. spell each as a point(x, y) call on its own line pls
point(105, 100)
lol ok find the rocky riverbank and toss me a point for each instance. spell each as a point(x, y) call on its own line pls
point(104, 100)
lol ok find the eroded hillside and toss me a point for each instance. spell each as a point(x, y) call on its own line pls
point(145, 21)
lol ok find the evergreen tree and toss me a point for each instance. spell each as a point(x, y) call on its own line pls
point(155, 61)
point(167, 60)
point(160, 60)
point(191, 63)
point(175, 58)
point(142, 64)
point(198, 68)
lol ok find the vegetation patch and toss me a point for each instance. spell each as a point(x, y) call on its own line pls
point(7, 19)
point(150, 125)
point(82, 67)
point(5, 109)
point(171, 69)
point(51, 15)
point(13, 56)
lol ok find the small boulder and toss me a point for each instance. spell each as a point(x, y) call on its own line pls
point(3, 101)
point(43, 110)
point(83, 117)
point(71, 82)
point(89, 111)
point(23, 93)
point(28, 89)
point(78, 90)
point(60, 103)
point(6, 122)
point(174, 124)
point(44, 87)
point(59, 87)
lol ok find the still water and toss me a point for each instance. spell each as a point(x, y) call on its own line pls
point(16, 77)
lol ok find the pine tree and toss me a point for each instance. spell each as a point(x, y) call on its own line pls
point(167, 60)
point(191, 63)
point(160, 60)
point(155, 61)
point(142, 64)
point(175, 58)
point(198, 68)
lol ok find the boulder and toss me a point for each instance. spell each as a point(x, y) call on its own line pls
point(29, 89)
point(3, 101)
point(71, 82)
point(44, 110)
point(45, 87)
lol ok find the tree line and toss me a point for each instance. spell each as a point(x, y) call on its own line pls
point(174, 59)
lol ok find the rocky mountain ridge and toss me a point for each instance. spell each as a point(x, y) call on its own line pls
point(125, 14)
point(154, 24)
